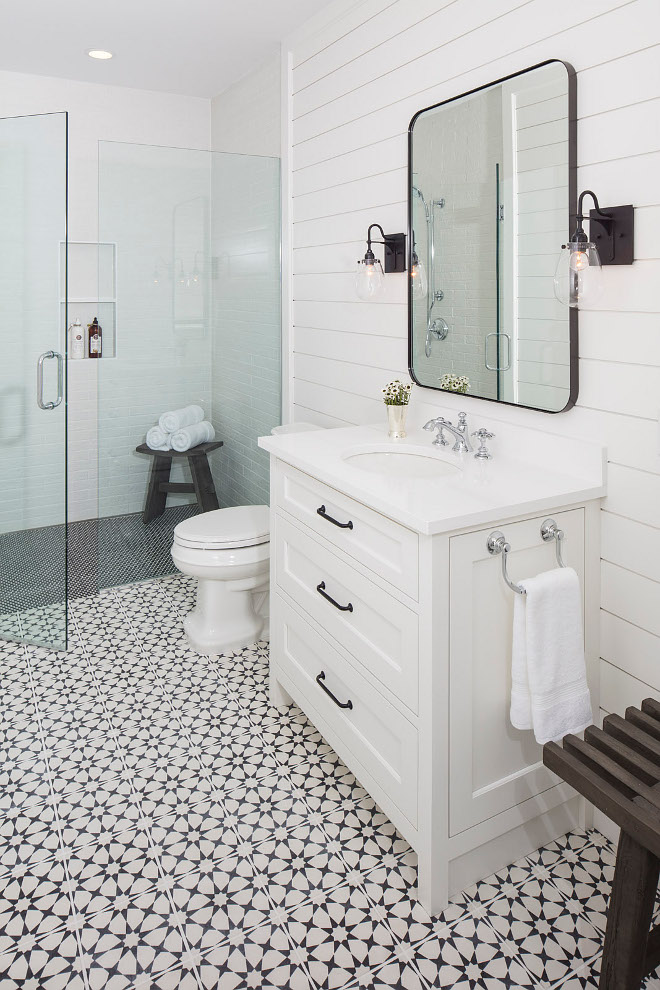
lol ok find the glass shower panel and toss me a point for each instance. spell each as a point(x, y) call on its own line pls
point(246, 321)
point(154, 207)
point(196, 237)
point(33, 297)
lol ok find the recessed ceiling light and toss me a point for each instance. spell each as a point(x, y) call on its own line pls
point(99, 53)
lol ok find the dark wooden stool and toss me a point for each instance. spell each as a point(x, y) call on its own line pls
point(617, 768)
point(160, 486)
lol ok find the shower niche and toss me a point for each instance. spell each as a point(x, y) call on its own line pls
point(91, 267)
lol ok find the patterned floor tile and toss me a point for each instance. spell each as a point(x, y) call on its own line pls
point(337, 933)
point(218, 901)
point(34, 901)
point(261, 960)
point(190, 836)
point(28, 835)
point(22, 784)
point(134, 940)
point(299, 862)
point(51, 962)
point(471, 957)
point(550, 932)
point(163, 827)
point(115, 865)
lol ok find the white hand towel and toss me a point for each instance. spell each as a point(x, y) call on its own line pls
point(177, 419)
point(191, 436)
point(549, 690)
point(158, 439)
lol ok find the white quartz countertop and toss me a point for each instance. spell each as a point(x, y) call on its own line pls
point(530, 471)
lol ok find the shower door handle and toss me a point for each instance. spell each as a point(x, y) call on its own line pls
point(494, 367)
point(48, 356)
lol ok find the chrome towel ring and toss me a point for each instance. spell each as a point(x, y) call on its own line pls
point(497, 543)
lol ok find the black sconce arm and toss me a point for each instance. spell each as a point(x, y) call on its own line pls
point(612, 230)
point(395, 249)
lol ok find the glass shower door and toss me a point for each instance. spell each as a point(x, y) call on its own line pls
point(33, 321)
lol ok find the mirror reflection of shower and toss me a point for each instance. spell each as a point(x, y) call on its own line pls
point(437, 327)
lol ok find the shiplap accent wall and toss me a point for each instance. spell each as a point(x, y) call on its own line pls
point(352, 82)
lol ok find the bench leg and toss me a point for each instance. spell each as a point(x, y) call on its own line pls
point(203, 482)
point(629, 916)
point(156, 499)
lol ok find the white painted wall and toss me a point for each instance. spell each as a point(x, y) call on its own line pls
point(96, 113)
point(356, 77)
point(246, 117)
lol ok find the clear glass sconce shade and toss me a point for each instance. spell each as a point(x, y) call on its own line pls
point(578, 277)
point(418, 279)
point(369, 280)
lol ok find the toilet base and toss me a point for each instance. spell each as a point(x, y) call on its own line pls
point(224, 620)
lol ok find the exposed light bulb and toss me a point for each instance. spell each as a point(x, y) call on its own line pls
point(369, 278)
point(99, 53)
point(419, 281)
point(578, 261)
point(578, 277)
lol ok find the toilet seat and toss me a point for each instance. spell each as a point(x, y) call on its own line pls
point(225, 529)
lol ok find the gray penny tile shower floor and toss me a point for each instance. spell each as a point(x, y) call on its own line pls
point(162, 826)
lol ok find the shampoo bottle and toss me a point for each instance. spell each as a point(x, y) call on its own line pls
point(94, 339)
point(76, 341)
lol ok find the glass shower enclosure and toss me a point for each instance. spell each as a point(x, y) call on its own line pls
point(33, 421)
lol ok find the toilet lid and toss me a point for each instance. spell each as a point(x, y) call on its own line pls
point(240, 526)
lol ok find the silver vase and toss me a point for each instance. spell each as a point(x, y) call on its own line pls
point(396, 422)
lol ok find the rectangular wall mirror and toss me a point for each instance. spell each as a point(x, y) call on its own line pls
point(490, 199)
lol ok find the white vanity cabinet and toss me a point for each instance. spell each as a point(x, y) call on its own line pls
point(396, 644)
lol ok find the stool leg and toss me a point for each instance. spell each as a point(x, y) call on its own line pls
point(629, 916)
point(203, 482)
point(156, 499)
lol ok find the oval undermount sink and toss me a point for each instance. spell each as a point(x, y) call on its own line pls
point(401, 463)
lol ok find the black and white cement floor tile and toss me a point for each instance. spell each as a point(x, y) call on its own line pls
point(163, 827)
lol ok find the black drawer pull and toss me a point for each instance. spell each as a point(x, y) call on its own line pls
point(342, 608)
point(340, 704)
point(335, 522)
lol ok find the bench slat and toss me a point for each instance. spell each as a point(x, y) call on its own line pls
point(643, 826)
point(648, 772)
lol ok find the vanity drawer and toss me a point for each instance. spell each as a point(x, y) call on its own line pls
point(380, 738)
point(381, 632)
point(376, 542)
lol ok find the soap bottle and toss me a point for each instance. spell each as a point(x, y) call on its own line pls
point(76, 341)
point(94, 339)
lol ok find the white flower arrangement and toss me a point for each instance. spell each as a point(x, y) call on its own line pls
point(396, 394)
point(455, 383)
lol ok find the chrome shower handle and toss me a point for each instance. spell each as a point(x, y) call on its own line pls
point(48, 356)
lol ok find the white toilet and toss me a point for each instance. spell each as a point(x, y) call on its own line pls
point(228, 551)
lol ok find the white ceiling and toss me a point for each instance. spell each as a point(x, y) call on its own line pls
point(195, 47)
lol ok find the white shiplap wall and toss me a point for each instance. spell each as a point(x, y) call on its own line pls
point(353, 80)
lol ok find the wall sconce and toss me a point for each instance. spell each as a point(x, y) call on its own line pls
point(369, 276)
point(578, 277)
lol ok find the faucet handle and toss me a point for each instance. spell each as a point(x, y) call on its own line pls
point(483, 435)
point(437, 424)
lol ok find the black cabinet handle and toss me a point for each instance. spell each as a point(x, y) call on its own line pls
point(342, 608)
point(335, 522)
point(340, 704)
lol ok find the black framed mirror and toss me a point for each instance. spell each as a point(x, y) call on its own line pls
point(491, 193)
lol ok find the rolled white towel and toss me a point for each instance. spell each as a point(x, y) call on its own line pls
point(158, 439)
point(191, 436)
point(177, 419)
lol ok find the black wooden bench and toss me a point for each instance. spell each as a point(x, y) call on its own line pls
point(159, 478)
point(617, 768)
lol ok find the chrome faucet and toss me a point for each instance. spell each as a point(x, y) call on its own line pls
point(460, 433)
